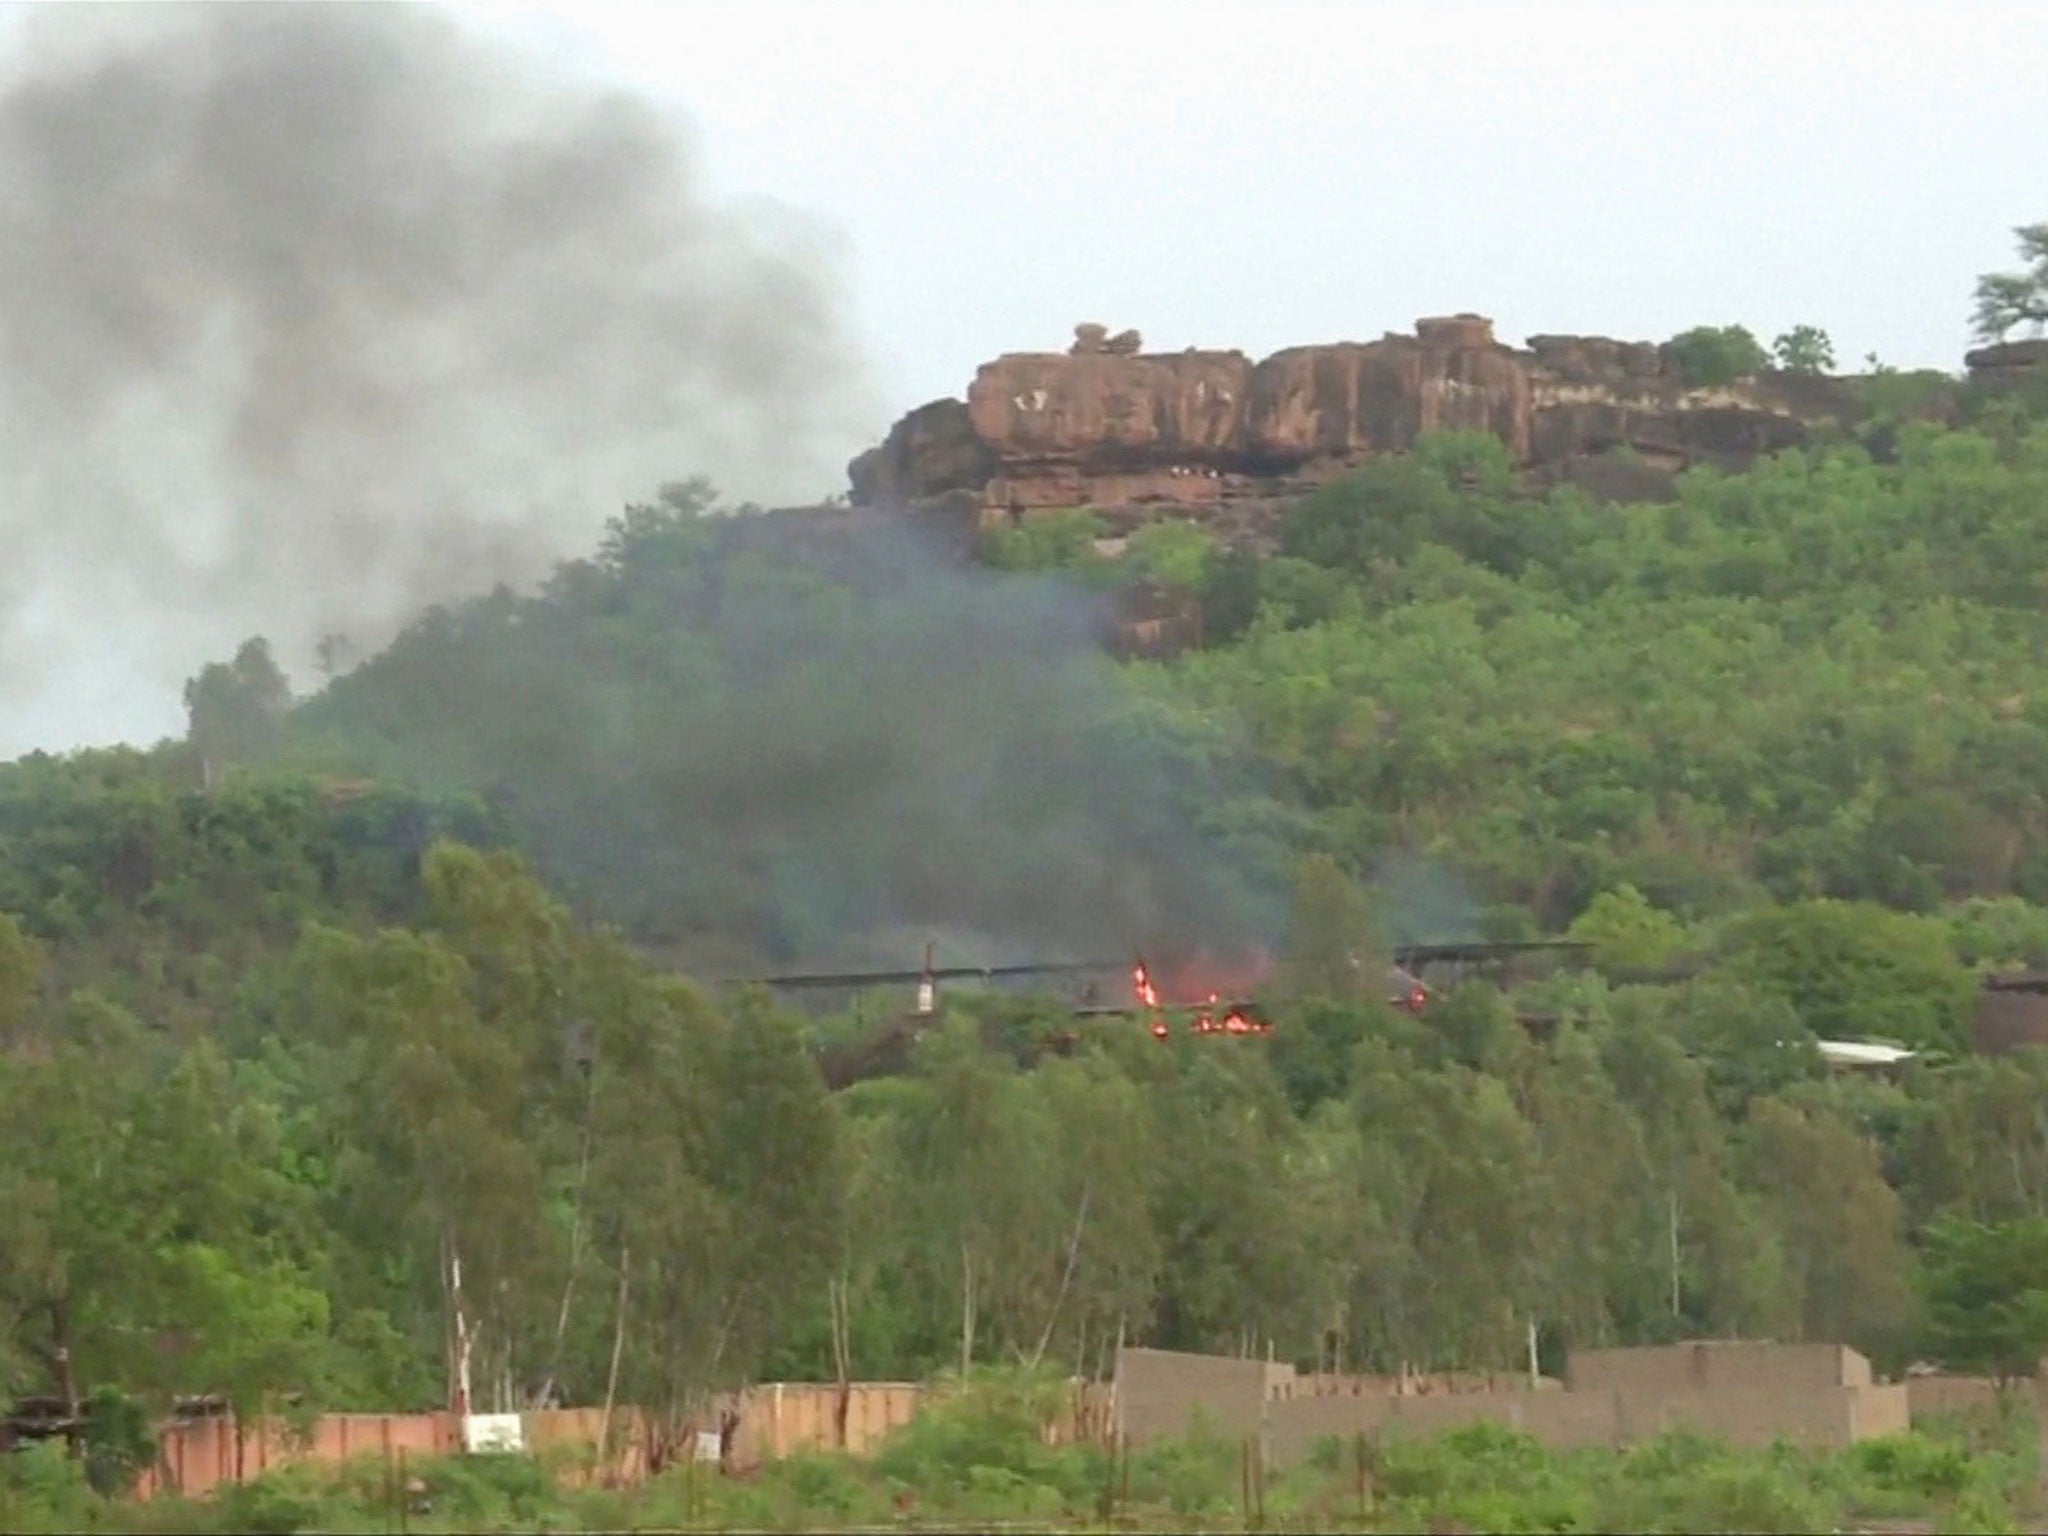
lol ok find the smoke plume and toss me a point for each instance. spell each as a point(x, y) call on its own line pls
point(311, 315)
point(813, 740)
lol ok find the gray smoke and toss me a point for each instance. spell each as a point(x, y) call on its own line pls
point(311, 315)
point(820, 740)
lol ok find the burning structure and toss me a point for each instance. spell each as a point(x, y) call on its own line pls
point(1207, 1000)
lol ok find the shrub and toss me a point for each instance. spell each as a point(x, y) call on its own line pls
point(1708, 355)
point(278, 1503)
point(1912, 1463)
point(42, 1488)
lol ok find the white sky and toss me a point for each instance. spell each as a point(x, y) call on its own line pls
point(1263, 175)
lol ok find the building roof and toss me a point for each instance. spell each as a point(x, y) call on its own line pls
point(1858, 1053)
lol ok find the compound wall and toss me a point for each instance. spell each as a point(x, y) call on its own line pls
point(1745, 1393)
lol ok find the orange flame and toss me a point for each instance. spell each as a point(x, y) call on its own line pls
point(1141, 983)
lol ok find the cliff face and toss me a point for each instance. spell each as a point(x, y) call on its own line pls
point(1107, 425)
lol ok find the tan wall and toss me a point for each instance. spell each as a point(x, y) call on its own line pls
point(1879, 1411)
point(1159, 1391)
point(1949, 1394)
point(782, 1418)
point(1816, 1417)
point(1735, 1365)
point(582, 1430)
point(1419, 1384)
point(197, 1455)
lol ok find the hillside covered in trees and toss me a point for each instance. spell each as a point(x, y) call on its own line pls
point(348, 1017)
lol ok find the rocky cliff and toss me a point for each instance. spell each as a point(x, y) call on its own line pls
point(1109, 425)
point(2009, 364)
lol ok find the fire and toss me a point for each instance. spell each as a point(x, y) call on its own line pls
point(1235, 1021)
point(1141, 983)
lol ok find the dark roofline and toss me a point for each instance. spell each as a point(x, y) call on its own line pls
point(2018, 981)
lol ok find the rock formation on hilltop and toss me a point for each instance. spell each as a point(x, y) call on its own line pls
point(1107, 425)
point(2009, 364)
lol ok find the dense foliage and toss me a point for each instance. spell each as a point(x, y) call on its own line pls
point(313, 1085)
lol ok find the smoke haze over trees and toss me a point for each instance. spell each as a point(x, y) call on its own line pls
point(825, 744)
point(312, 315)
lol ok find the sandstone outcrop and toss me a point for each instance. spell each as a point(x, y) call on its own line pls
point(2009, 364)
point(1106, 425)
point(928, 453)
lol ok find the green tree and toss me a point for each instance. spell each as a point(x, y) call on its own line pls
point(657, 1273)
point(1627, 932)
point(1836, 1221)
point(1105, 1170)
point(1382, 512)
point(1447, 1262)
point(1046, 541)
point(236, 709)
point(1237, 1229)
point(1174, 554)
point(431, 1106)
point(1984, 1289)
point(21, 968)
point(2007, 299)
point(1334, 949)
point(1751, 1039)
point(1708, 355)
point(1855, 971)
point(1805, 349)
point(778, 1168)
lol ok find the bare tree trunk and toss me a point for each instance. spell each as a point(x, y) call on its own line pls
point(966, 1310)
point(63, 1368)
point(842, 1356)
point(1674, 1251)
point(611, 1380)
point(575, 1249)
point(1116, 1405)
point(1066, 1279)
point(465, 1342)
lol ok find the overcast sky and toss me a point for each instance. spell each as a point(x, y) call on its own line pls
point(971, 179)
point(1270, 174)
